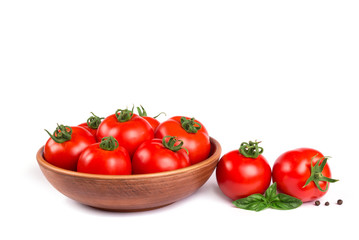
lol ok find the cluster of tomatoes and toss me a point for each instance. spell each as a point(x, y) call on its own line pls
point(301, 173)
point(127, 143)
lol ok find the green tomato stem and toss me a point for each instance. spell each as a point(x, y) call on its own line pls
point(61, 134)
point(109, 143)
point(190, 125)
point(142, 112)
point(124, 115)
point(250, 149)
point(316, 174)
point(170, 144)
point(94, 121)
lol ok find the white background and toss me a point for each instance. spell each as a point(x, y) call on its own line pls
point(283, 72)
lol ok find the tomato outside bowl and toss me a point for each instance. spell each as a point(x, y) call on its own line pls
point(128, 193)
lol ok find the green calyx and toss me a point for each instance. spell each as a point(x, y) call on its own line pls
point(61, 134)
point(142, 112)
point(94, 121)
point(271, 199)
point(250, 149)
point(124, 115)
point(190, 125)
point(108, 143)
point(172, 145)
point(316, 174)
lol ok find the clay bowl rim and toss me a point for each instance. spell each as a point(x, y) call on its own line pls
point(214, 156)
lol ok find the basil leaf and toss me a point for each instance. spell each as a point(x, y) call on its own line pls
point(271, 192)
point(285, 202)
point(270, 199)
point(254, 202)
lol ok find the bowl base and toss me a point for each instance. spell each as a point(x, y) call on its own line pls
point(128, 210)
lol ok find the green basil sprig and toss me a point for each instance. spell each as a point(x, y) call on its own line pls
point(271, 199)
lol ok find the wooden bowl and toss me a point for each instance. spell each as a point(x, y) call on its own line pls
point(130, 192)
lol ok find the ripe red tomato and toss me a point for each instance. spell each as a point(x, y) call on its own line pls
point(92, 124)
point(64, 147)
point(106, 157)
point(191, 132)
point(151, 120)
point(243, 172)
point(127, 128)
point(158, 155)
point(302, 173)
point(85, 126)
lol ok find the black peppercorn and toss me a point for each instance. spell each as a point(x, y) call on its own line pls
point(317, 203)
point(340, 202)
point(326, 203)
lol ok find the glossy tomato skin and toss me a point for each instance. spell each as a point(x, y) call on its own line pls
point(129, 134)
point(152, 121)
point(151, 157)
point(91, 130)
point(99, 161)
point(239, 176)
point(291, 171)
point(65, 155)
point(198, 144)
